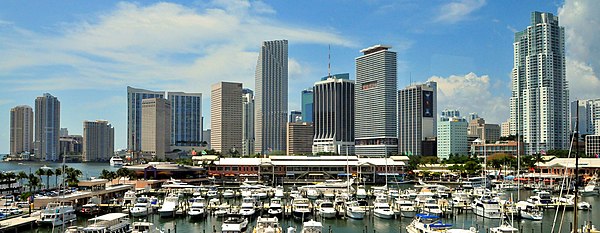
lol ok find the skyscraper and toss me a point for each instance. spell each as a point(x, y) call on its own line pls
point(539, 102)
point(226, 117)
point(307, 105)
point(98, 141)
point(47, 126)
point(186, 118)
point(334, 116)
point(134, 115)
point(417, 113)
point(295, 116)
point(589, 116)
point(247, 122)
point(271, 100)
point(156, 125)
point(452, 137)
point(375, 99)
point(21, 129)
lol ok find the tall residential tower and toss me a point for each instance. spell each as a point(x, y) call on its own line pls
point(247, 122)
point(47, 126)
point(271, 100)
point(98, 141)
point(134, 115)
point(186, 118)
point(21, 129)
point(417, 117)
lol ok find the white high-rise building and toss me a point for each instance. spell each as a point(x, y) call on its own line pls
point(21, 129)
point(333, 116)
point(505, 129)
point(98, 141)
point(47, 128)
point(247, 122)
point(452, 137)
point(540, 96)
point(271, 97)
point(589, 116)
point(134, 115)
point(376, 87)
point(417, 117)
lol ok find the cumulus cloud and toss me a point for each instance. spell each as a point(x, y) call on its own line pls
point(582, 35)
point(162, 45)
point(472, 93)
point(457, 11)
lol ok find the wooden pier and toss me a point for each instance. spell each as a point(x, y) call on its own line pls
point(19, 222)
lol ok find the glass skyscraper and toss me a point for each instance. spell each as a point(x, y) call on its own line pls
point(47, 126)
point(134, 115)
point(307, 105)
point(186, 118)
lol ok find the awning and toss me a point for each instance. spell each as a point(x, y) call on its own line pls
point(388, 174)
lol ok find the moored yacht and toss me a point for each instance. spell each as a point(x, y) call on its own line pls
point(526, 210)
point(197, 208)
point(247, 208)
point(170, 205)
point(301, 208)
point(423, 223)
point(140, 209)
point(267, 225)
point(381, 208)
point(56, 214)
point(327, 210)
point(234, 223)
point(354, 210)
point(116, 161)
point(487, 207)
point(275, 207)
point(406, 207)
point(312, 226)
point(108, 223)
point(145, 227)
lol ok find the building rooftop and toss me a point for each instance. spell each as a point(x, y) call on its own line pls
point(375, 48)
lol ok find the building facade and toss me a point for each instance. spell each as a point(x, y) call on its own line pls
point(98, 141)
point(307, 105)
point(478, 128)
point(299, 139)
point(452, 137)
point(417, 117)
point(247, 122)
point(375, 102)
point(47, 127)
point(186, 118)
point(71, 145)
point(334, 116)
point(295, 116)
point(449, 113)
point(589, 116)
point(134, 115)
point(505, 129)
point(271, 99)
point(156, 125)
point(592, 146)
point(506, 147)
point(226, 117)
point(540, 95)
point(206, 137)
point(21, 130)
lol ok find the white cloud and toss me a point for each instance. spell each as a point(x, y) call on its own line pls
point(582, 35)
point(472, 93)
point(163, 45)
point(457, 11)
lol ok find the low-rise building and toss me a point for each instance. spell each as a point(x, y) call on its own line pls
point(487, 149)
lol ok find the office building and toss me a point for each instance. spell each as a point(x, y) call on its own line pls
point(417, 117)
point(478, 128)
point(21, 130)
point(206, 138)
point(71, 145)
point(539, 102)
point(307, 105)
point(449, 113)
point(47, 127)
point(592, 146)
point(226, 118)
point(134, 115)
point(589, 116)
point(271, 97)
point(376, 120)
point(247, 122)
point(186, 118)
point(295, 116)
point(452, 137)
point(505, 129)
point(299, 139)
point(98, 141)
point(156, 125)
point(334, 116)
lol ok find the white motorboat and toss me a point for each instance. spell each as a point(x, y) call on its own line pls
point(590, 189)
point(542, 198)
point(504, 228)
point(312, 226)
point(354, 210)
point(526, 210)
point(113, 222)
point(90, 209)
point(228, 193)
point(405, 207)
point(246, 193)
point(267, 225)
point(212, 193)
point(393, 194)
point(312, 193)
point(56, 214)
point(461, 199)
point(474, 182)
point(259, 194)
point(279, 192)
point(129, 198)
point(197, 208)
point(234, 223)
point(247, 208)
point(381, 208)
point(169, 206)
point(145, 227)
point(584, 206)
point(431, 207)
point(327, 210)
point(487, 207)
point(140, 209)
point(361, 193)
point(301, 208)
point(423, 223)
point(116, 161)
point(275, 207)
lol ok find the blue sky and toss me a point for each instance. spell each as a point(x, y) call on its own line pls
point(87, 52)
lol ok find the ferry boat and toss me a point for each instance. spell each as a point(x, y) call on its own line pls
point(234, 223)
point(145, 227)
point(108, 223)
point(116, 161)
point(301, 208)
point(170, 205)
point(327, 210)
point(56, 214)
point(423, 223)
point(267, 225)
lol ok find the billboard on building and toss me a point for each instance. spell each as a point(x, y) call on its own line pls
point(428, 104)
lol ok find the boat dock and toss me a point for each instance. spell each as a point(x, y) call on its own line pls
point(16, 223)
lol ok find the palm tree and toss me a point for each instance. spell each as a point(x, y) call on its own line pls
point(10, 176)
point(72, 175)
point(49, 173)
point(40, 172)
point(22, 175)
point(33, 182)
point(57, 172)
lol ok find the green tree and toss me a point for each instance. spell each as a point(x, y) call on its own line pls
point(34, 182)
point(57, 173)
point(10, 176)
point(472, 168)
point(49, 173)
point(22, 175)
point(457, 168)
point(72, 176)
point(40, 172)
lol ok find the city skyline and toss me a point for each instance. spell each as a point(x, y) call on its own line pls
point(471, 49)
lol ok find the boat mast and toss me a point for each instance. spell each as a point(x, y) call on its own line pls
point(518, 155)
point(576, 166)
